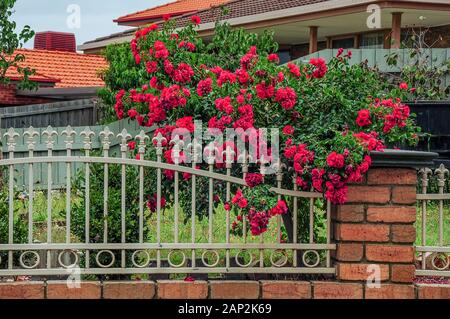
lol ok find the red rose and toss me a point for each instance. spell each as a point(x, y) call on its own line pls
point(243, 203)
point(131, 145)
point(196, 20)
point(204, 87)
point(253, 179)
point(336, 160)
point(132, 113)
point(403, 86)
point(273, 57)
point(288, 130)
point(363, 118)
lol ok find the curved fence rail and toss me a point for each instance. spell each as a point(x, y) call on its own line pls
point(193, 245)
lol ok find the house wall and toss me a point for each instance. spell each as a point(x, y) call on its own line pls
point(8, 97)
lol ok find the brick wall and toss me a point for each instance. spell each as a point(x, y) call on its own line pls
point(217, 290)
point(376, 227)
point(8, 97)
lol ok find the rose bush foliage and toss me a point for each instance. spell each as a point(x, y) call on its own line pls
point(331, 116)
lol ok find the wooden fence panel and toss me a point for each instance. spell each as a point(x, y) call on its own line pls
point(59, 169)
point(58, 114)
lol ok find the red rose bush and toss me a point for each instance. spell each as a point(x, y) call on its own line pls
point(330, 116)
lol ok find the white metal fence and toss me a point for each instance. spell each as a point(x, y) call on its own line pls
point(151, 254)
point(434, 222)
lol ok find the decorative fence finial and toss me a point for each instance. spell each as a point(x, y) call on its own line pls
point(229, 154)
point(441, 172)
point(50, 134)
point(87, 135)
point(30, 135)
point(178, 145)
point(195, 150)
point(105, 137)
point(11, 137)
point(70, 136)
point(211, 152)
point(424, 173)
point(142, 137)
point(159, 142)
point(124, 136)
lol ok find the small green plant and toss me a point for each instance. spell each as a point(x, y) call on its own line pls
point(19, 224)
point(423, 76)
point(9, 42)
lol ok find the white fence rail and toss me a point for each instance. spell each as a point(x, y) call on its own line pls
point(201, 250)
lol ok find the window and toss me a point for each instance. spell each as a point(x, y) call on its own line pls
point(285, 56)
point(345, 43)
point(372, 41)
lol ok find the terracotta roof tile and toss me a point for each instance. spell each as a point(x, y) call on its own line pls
point(67, 69)
point(173, 8)
point(242, 8)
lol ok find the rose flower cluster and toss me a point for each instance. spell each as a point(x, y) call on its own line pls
point(181, 85)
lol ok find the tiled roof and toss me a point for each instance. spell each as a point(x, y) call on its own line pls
point(65, 69)
point(173, 8)
point(242, 8)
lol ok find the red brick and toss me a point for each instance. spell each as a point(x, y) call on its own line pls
point(390, 291)
point(171, 289)
point(433, 291)
point(362, 232)
point(234, 289)
point(60, 290)
point(392, 176)
point(129, 290)
point(349, 213)
point(335, 290)
point(286, 290)
point(8, 97)
point(360, 271)
point(391, 214)
point(403, 233)
point(404, 195)
point(403, 273)
point(349, 252)
point(368, 194)
point(391, 253)
point(22, 290)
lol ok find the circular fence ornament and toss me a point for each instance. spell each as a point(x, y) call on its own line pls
point(72, 253)
point(205, 259)
point(281, 261)
point(170, 255)
point(308, 263)
point(147, 259)
point(110, 253)
point(24, 263)
point(440, 261)
point(250, 255)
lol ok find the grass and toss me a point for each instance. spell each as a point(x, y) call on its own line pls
point(202, 227)
point(167, 230)
point(432, 224)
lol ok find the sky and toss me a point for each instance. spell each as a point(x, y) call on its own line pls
point(95, 18)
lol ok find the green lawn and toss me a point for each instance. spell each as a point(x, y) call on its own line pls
point(167, 229)
point(432, 224)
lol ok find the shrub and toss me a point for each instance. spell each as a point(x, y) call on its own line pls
point(331, 115)
point(20, 224)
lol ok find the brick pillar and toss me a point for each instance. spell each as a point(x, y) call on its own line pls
point(376, 226)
